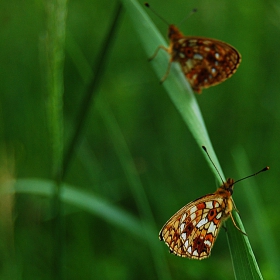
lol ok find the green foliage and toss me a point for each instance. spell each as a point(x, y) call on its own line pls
point(136, 162)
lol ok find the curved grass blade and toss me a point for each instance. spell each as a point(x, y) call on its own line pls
point(259, 217)
point(183, 98)
point(81, 199)
point(176, 85)
point(97, 206)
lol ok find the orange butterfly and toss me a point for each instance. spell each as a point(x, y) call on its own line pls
point(192, 231)
point(205, 62)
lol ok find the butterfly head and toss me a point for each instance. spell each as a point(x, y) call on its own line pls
point(174, 33)
point(228, 185)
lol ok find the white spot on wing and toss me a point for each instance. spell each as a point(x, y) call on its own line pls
point(189, 63)
point(193, 41)
point(183, 217)
point(190, 249)
point(193, 209)
point(209, 204)
point(207, 243)
point(198, 56)
point(184, 236)
point(193, 216)
point(216, 204)
point(187, 243)
point(212, 228)
point(202, 222)
point(219, 215)
point(182, 227)
point(195, 253)
point(217, 55)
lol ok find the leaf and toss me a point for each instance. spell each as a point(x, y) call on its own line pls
point(179, 91)
point(81, 199)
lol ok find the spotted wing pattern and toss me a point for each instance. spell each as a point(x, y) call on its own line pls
point(205, 62)
point(192, 231)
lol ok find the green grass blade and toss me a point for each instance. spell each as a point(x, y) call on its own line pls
point(244, 262)
point(176, 85)
point(127, 163)
point(99, 207)
point(56, 12)
point(92, 86)
point(257, 212)
point(83, 200)
point(54, 44)
point(181, 95)
point(135, 184)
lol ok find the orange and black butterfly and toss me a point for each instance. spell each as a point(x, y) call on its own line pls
point(192, 231)
point(205, 62)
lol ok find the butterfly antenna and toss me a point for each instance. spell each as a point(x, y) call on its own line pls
point(158, 15)
point(204, 148)
point(189, 15)
point(264, 169)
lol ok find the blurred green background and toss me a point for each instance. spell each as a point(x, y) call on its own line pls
point(136, 153)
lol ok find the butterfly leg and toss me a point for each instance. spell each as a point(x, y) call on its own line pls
point(156, 52)
point(166, 73)
point(234, 207)
point(169, 64)
point(236, 224)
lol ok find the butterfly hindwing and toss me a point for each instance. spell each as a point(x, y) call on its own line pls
point(205, 62)
point(192, 231)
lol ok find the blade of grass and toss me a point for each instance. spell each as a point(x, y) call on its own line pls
point(123, 154)
point(56, 12)
point(84, 200)
point(99, 67)
point(121, 148)
point(257, 212)
point(244, 262)
point(135, 184)
point(180, 93)
point(176, 85)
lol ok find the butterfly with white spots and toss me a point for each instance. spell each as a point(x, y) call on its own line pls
point(205, 62)
point(192, 231)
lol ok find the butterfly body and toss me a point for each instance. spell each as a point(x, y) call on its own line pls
point(192, 231)
point(205, 62)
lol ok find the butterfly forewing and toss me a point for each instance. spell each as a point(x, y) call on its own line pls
point(192, 231)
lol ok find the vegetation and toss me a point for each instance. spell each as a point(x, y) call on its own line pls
point(91, 206)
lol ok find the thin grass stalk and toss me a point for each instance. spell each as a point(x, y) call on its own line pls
point(99, 67)
point(56, 12)
point(136, 186)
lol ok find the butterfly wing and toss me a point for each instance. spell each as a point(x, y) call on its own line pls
point(205, 62)
point(192, 231)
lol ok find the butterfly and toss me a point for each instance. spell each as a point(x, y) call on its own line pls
point(192, 231)
point(205, 62)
